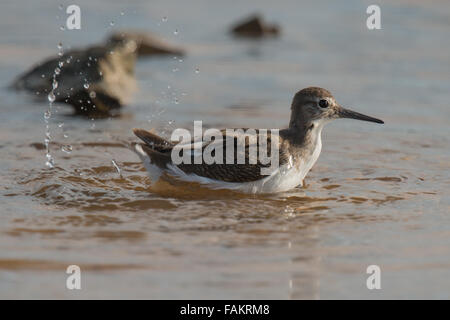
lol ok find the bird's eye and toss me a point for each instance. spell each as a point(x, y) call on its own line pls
point(323, 103)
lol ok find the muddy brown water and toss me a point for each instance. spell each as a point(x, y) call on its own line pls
point(378, 194)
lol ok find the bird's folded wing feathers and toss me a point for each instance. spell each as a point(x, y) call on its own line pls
point(244, 165)
point(241, 165)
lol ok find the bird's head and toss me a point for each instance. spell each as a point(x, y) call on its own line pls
point(316, 105)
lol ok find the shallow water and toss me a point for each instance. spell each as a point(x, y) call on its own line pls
point(378, 194)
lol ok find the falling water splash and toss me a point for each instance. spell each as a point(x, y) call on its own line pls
point(116, 166)
point(50, 162)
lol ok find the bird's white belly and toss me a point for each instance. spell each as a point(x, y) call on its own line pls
point(284, 178)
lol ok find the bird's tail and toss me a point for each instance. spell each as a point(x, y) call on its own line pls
point(154, 152)
point(153, 141)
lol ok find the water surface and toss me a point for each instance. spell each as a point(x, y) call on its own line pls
point(378, 194)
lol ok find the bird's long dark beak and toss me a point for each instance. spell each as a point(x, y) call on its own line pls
point(349, 114)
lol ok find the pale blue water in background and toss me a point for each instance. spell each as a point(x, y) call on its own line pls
point(378, 194)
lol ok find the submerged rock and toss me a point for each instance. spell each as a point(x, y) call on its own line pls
point(96, 81)
point(147, 43)
point(255, 27)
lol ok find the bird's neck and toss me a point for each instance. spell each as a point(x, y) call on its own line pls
point(305, 134)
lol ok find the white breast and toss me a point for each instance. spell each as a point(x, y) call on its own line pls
point(309, 162)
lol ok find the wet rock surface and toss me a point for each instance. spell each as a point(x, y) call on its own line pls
point(254, 26)
point(147, 43)
point(96, 81)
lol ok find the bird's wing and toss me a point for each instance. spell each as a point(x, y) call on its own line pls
point(242, 164)
point(234, 155)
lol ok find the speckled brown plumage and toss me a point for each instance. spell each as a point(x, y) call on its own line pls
point(299, 144)
point(159, 150)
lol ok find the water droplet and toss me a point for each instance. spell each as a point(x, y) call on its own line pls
point(60, 125)
point(122, 13)
point(54, 84)
point(50, 162)
point(176, 101)
point(175, 32)
point(62, 28)
point(117, 167)
point(66, 148)
point(289, 211)
point(197, 70)
point(42, 75)
point(92, 94)
point(86, 85)
point(47, 114)
point(57, 71)
point(51, 97)
point(175, 69)
point(164, 19)
point(60, 49)
point(60, 7)
point(112, 23)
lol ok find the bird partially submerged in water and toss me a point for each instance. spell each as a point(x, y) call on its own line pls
point(297, 148)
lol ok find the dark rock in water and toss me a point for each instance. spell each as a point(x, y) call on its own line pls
point(38, 145)
point(255, 27)
point(147, 43)
point(97, 80)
